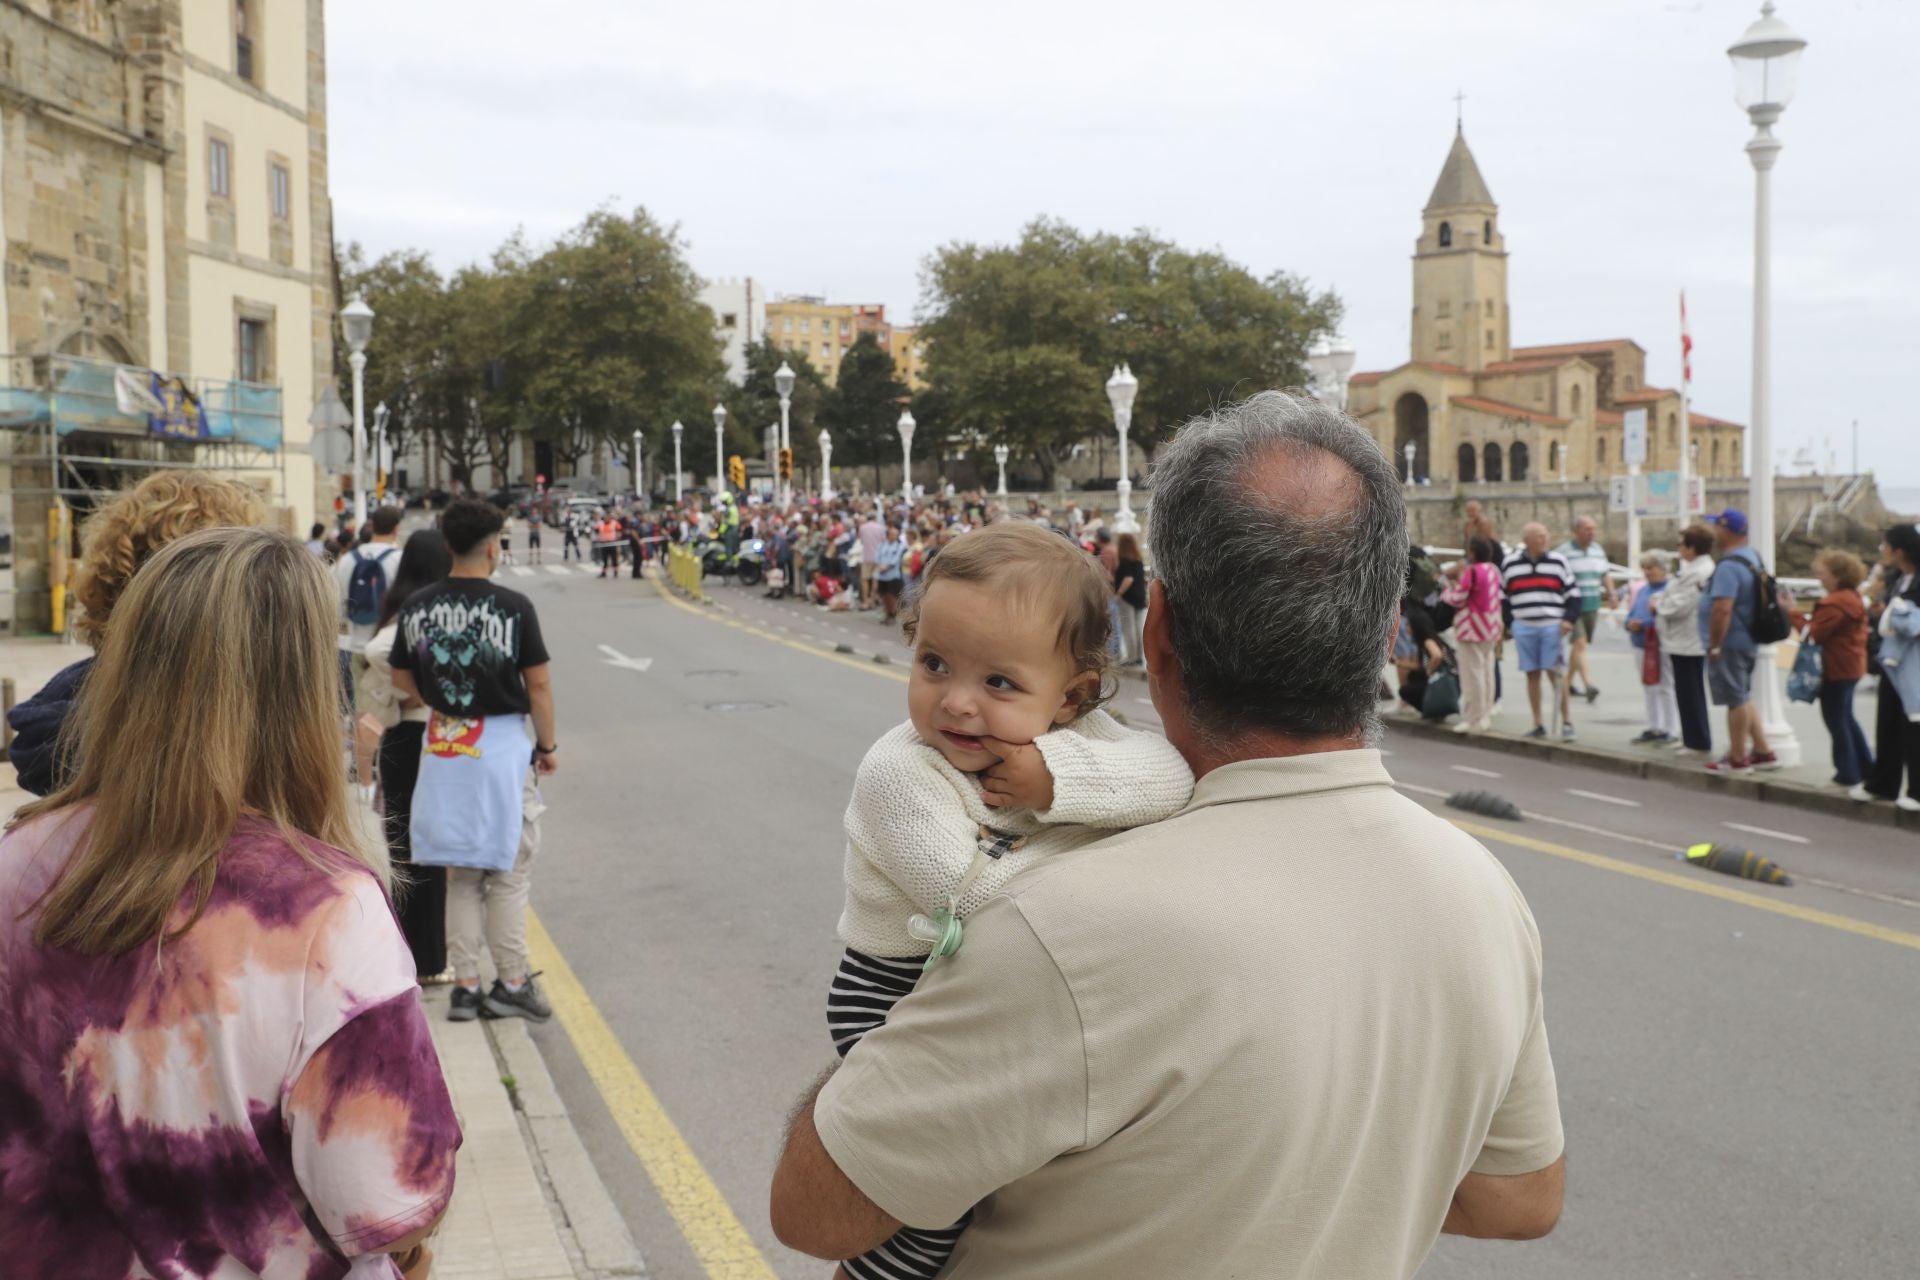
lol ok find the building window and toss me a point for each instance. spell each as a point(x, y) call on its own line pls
point(1627, 381)
point(1600, 451)
point(806, 324)
point(1573, 398)
point(1489, 338)
point(1466, 463)
point(1733, 456)
point(729, 320)
point(1716, 458)
point(1486, 235)
point(1446, 340)
point(219, 168)
point(826, 351)
point(1673, 431)
point(1539, 390)
point(280, 187)
point(1443, 308)
point(1490, 468)
point(244, 41)
point(1446, 235)
point(1553, 456)
point(786, 324)
point(845, 329)
point(253, 360)
point(1489, 308)
point(1517, 461)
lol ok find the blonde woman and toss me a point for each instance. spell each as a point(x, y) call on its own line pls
point(119, 538)
point(211, 1044)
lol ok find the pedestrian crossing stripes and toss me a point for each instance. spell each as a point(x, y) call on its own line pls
point(522, 570)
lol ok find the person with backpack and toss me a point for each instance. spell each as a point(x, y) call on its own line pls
point(362, 574)
point(1739, 612)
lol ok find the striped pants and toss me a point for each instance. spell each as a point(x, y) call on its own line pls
point(864, 990)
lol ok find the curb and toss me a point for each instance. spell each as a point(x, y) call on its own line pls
point(595, 1235)
point(1768, 791)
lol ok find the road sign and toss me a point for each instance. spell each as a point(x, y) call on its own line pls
point(1658, 495)
point(1635, 441)
point(1696, 495)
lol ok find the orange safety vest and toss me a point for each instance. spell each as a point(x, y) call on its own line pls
point(607, 531)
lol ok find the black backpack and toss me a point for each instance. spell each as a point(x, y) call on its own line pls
point(366, 588)
point(1769, 625)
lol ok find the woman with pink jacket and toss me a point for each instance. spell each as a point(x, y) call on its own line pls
point(1475, 597)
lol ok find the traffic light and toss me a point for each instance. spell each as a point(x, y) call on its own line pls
point(737, 471)
point(786, 464)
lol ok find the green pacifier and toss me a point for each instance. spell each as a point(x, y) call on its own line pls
point(943, 930)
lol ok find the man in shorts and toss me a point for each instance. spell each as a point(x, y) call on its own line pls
point(1588, 560)
point(1542, 608)
point(1727, 608)
point(888, 579)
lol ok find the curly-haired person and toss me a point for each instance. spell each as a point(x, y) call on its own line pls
point(117, 539)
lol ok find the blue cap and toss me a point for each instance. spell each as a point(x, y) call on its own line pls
point(1732, 520)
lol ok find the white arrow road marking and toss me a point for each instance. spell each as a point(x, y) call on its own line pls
point(1603, 798)
point(615, 658)
point(1769, 832)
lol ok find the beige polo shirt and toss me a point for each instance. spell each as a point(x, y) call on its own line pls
point(1266, 1038)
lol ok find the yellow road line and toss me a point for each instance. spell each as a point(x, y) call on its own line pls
point(1674, 880)
point(725, 1250)
point(871, 668)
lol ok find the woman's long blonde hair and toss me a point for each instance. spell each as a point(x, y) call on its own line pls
point(217, 690)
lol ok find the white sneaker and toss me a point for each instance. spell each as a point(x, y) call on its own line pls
point(1908, 803)
point(1465, 726)
point(1859, 792)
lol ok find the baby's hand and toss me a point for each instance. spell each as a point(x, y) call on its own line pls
point(1021, 780)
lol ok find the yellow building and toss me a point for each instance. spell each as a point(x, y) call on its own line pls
point(1479, 410)
point(823, 331)
point(909, 357)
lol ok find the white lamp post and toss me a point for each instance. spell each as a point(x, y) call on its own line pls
point(1330, 362)
point(826, 466)
point(1765, 59)
point(783, 384)
point(639, 485)
point(1000, 453)
point(906, 426)
point(719, 449)
point(1121, 389)
point(356, 321)
point(678, 481)
point(1410, 451)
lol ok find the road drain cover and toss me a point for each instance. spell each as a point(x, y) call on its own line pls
point(741, 706)
point(715, 671)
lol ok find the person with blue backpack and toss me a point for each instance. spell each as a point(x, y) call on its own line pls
point(362, 574)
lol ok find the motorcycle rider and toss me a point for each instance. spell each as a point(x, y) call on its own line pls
point(727, 525)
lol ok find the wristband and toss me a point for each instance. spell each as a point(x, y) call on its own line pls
point(545, 751)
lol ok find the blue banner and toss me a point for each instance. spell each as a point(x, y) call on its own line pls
point(183, 418)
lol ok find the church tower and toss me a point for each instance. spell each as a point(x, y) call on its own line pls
point(1460, 270)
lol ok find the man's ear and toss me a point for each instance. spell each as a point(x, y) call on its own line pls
point(1156, 635)
point(1082, 689)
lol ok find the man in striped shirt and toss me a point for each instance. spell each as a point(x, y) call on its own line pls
point(1542, 608)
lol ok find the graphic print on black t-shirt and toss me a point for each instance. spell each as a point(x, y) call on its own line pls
point(467, 641)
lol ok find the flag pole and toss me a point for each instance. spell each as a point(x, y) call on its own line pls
point(1686, 416)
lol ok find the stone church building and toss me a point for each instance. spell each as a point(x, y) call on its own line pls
point(1479, 410)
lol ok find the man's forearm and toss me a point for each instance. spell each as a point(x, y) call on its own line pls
point(816, 1208)
point(541, 702)
point(1720, 623)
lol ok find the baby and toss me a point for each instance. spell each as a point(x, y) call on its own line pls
point(1005, 758)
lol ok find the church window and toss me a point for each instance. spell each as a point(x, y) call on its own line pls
point(1466, 463)
point(1716, 458)
point(1600, 451)
point(1446, 235)
point(1491, 469)
point(1539, 390)
point(1446, 340)
point(1517, 461)
point(1443, 308)
point(1489, 337)
point(1553, 456)
point(1486, 235)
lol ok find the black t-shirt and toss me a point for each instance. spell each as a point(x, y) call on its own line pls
point(466, 641)
point(1136, 594)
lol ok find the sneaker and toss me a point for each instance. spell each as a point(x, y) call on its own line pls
point(1591, 694)
point(1765, 760)
point(465, 1004)
point(1649, 735)
point(1908, 803)
point(1539, 731)
point(1859, 792)
point(1465, 726)
point(526, 1003)
point(1681, 749)
point(1730, 765)
point(1566, 732)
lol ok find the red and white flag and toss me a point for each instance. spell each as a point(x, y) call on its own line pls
point(1686, 343)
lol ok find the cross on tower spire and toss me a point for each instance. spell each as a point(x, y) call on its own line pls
point(1460, 111)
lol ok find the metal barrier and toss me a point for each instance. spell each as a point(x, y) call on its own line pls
point(686, 571)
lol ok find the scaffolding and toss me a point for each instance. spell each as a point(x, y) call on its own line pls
point(66, 446)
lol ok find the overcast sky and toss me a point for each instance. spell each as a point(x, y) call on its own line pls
point(827, 148)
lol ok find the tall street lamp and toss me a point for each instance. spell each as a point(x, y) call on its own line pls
point(356, 321)
point(719, 449)
point(1410, 451)
point(1121, 389)
point(826, 466)
point(905, 426)
point(1000, 454)
point(639, 485)
point(678, 476)
point(783, 384)
point(1765, 59)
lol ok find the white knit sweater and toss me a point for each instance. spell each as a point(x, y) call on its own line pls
point(914, 821)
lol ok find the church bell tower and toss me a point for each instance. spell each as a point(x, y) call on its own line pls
point(1460, 270)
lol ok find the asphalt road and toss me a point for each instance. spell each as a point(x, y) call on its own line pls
point(1737, 1083)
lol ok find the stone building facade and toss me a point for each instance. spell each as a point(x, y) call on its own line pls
point(163, 204)
point(1477, 409)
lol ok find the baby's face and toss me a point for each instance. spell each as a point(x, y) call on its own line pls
point(985, 668)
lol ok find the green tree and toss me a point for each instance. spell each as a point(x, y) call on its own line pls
point(755, 403)
point(866, 406)
point(1021, 338)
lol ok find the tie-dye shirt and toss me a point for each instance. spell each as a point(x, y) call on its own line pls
point(260, 1097)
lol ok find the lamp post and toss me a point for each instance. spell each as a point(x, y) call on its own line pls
point(1409, 451)
point(1330, 362)
point(639, 485)
point(1000, 453)
point(905, 427)
point(783, 384)
point(678, 480)
point(356, 322)
point(1121, 389)
point(719, 449)
point(1765, 59)
point(826, 467)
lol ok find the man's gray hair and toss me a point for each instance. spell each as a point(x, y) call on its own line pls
point(1281, 616)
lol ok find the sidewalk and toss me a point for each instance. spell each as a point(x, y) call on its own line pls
point(527, 1202)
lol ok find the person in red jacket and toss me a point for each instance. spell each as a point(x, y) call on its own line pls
point(1838, 625)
